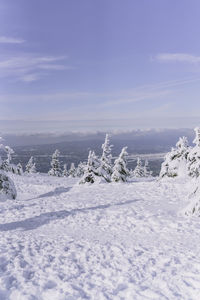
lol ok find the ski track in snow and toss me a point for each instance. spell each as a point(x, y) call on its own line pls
point(62, 241)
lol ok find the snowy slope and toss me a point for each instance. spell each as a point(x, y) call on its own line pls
point(62, 241)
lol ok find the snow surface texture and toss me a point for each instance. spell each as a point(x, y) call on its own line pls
point(60, 240)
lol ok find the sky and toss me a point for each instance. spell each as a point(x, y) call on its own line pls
point(74, 65)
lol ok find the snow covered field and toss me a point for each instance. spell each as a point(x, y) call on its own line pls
point(62, 241)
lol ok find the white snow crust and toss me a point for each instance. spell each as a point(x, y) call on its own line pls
point(61, 240)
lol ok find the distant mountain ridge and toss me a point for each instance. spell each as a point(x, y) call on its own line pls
point(160, 136)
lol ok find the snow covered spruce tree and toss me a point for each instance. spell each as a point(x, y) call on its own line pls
point(72, 171)
point(147, 171)
point(7, 166)
point(7, 162)
point(7, 187)
point(139, 169)
point(30, 167)
point(120, 171)
point(80, 169)
point(19, 169)
point(91, 173)
point(193, 159)
point(105, 168)
point(55, 165)
point(175, 163)
point(65, 171)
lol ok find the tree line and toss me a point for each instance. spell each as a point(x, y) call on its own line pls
point(97, 169)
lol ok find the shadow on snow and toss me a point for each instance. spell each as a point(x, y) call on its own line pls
point(46, 218)
point(58, 191)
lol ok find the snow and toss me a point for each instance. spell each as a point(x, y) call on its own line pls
point(61, 240)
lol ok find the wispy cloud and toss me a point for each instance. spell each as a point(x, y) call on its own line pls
point(178, 57)
point(137, 97)
point(150, 91)
point(52, 97)
point(140, 93)
point(10, 40)
point(166, 84)
point(30, 77)
point(52, 67)
point(24, 67)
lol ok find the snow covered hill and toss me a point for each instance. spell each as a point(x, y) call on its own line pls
point(60, 240)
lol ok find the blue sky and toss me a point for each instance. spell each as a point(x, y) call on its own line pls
point(99, 64)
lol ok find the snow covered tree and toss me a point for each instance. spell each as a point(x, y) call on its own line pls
point(19, 169)
point(147, 172)
point(193, 159)
point(30, 167)
point(120, 171)
point(9, 151)
point(6, 164)
point(7, 187)
point(139, 169)
point(175, 163)
point(55, 165)
point(105, 168)
point(91, 173)
point(72, 171)
point(13, 169)
point(80, 169)
point(65, 171)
